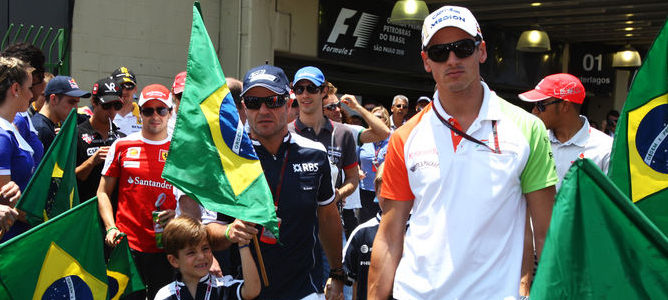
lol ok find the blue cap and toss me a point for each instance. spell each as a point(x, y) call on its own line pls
point(311, 74)
point(65, 85)
point(267, 76)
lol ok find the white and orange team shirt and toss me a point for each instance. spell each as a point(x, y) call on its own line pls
point(466, 231)
point(138, 163)
point(588, 143)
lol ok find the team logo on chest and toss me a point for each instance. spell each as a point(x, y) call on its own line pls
point(305, 167)
point(87, 138)
point(133, 152)
point(163, 155)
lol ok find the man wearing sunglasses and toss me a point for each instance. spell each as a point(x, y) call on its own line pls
point(557, 101)
point(127, 119)
point(133, 168)
point(399, 111)
point(298, 174)
point(96, 134)
point(466, 168)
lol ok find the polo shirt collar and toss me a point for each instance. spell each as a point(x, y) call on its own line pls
point(489, 110)
point(579, 139)
point(255, 142)
point(326, 126)
point(23, 144)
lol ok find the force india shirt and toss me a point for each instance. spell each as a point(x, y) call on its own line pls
point(466, 231)
point(138, 163)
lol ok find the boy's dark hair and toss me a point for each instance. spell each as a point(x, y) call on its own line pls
point(183, 232)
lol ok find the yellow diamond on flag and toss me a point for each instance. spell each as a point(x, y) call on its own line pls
point(647, 132)
point(57, 171)
point(117, 284)
point(62, 276)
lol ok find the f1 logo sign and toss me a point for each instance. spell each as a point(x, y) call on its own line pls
point(363, 28)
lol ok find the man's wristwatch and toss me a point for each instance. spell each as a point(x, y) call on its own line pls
point(339, 274)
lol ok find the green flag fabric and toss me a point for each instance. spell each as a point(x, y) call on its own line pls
point(52, 190)
point(599, 245)
point(639, 162)
point(122, 274)
point(211, 158)
point(59, 259)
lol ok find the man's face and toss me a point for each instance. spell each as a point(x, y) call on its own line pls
point(265, 122)
point(106, 111)
point(400, 108)
point(155, 116)
point(331, 107)
point(455, 74)
point(421, 105)
point(177, 101)
point(547, 111)
point(128, 91)
point(62, 105)
point(309, 103)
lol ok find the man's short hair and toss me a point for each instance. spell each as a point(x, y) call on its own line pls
point(28, 53)
point(612, 113)
point(331, 89)
point(183, 232)
point(399, 97)
point(235, 87)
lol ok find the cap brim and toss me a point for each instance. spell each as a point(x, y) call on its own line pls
point(533, 96)
point(271, 88)
point(179, 90)
point(109, 98)
point(78, 93)
point(312, 80)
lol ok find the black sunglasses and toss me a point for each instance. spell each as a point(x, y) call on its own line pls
point(128, 85)
point(162, 111)
point(540, 106)
point(462, 49)
point(117, 105)
point(332, 106)
point(271, 101)
point(311, 88)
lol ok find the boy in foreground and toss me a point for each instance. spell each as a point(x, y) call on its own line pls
point(187, 247)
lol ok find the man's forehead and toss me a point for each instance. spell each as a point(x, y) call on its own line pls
point(260, 91)
point(448, 35)
point(304, 82)
point(332, 98)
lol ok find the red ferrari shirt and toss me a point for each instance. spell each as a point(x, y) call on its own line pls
point(138, 163)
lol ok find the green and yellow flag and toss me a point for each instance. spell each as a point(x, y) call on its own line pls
point(122, 274)
point(211, 158)
point(59, 259)
point(600, 245)
point(639, 162)
point(52, 190)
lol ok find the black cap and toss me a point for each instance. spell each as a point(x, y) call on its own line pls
point(107, 90)
point(123, 75)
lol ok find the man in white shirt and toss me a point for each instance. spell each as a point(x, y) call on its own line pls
point(557, 100)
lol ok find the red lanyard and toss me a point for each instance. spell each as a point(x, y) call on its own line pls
point(276, 193)
point(496, 149)
point(207, 296)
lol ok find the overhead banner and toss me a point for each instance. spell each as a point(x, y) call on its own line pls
point(592, 64)
point(359, 32)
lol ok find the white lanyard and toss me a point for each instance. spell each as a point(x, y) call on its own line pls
point(206, 296)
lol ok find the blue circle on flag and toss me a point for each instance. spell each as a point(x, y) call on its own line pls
point(112, 286)
point(70, 287)
point(652, 139)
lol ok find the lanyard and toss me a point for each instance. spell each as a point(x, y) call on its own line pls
point(276, 193)
point(470, 138)
point(207, 296)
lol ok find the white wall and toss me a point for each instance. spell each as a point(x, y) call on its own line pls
point(150, 37)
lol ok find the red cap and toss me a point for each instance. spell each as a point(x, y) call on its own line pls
point(156, 92)
point(179, 83)
point(561, 86)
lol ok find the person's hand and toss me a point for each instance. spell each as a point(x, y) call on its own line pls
point(165, 216)
point(7, 217)
point(351, 101)
point(241, 232)
point(215, 269)
point(333, 289)
point(112, 238)
point(100, 155)
point(10, 193)
point(362, 174)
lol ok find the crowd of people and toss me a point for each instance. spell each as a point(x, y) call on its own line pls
point(453, 202)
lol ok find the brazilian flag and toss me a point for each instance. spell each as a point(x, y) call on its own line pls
point(59, 259)
point(122, 275)
point(53, 188)
point(639, 162)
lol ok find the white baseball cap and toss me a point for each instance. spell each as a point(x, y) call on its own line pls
point(449, 16)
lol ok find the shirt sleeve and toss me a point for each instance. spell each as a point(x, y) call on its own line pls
point(540, 171)
point(395, 175)
point(112, 163)
point(350, 255)
point(326, 189)
point(6, 150)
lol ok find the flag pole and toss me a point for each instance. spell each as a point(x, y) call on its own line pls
point(260, 261)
